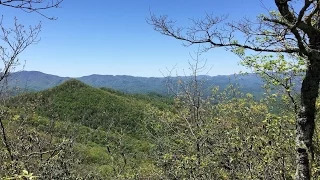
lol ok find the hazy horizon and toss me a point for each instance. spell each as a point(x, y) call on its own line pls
point(119, 74)
point(113, 37)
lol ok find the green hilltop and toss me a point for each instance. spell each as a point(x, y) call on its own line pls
point(80, 103)
point(108, 126)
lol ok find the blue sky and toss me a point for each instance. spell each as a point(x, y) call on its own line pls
point(113, 37)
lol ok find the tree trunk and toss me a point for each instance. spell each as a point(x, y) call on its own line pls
point(305, 124)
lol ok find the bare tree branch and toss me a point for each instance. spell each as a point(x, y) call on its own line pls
point(16, 40)
point(214, 38)
point(30, 6)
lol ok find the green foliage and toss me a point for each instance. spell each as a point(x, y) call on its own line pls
point(76, 102)
point(106, 134)
point(24, 175)
point(107, 128)
point(237, 138)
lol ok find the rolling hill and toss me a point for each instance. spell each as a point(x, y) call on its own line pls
point(108, 127)
point(36, 81)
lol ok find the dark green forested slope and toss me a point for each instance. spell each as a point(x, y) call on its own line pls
point(77, 102)
point(107, 127)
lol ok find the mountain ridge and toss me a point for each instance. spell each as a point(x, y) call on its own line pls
point(37, 81)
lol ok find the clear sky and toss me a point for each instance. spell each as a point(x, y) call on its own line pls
point(113, 37)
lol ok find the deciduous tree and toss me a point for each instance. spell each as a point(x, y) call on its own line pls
point(293, 28)
point(15, 40)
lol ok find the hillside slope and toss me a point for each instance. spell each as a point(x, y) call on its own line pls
point(34, 80)
point(77, 102)
point(109, 127)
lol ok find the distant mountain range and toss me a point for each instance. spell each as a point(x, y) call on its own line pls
point(37, 81)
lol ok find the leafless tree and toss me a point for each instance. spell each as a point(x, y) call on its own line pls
point(16, 39)
point(30, 6)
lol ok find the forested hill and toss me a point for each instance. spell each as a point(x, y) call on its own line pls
point(75, 131)
point(78, 102)
point(107, 129)
point(36, 81)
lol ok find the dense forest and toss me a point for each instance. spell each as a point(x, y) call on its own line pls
point(197, 131)
point(77, 131)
